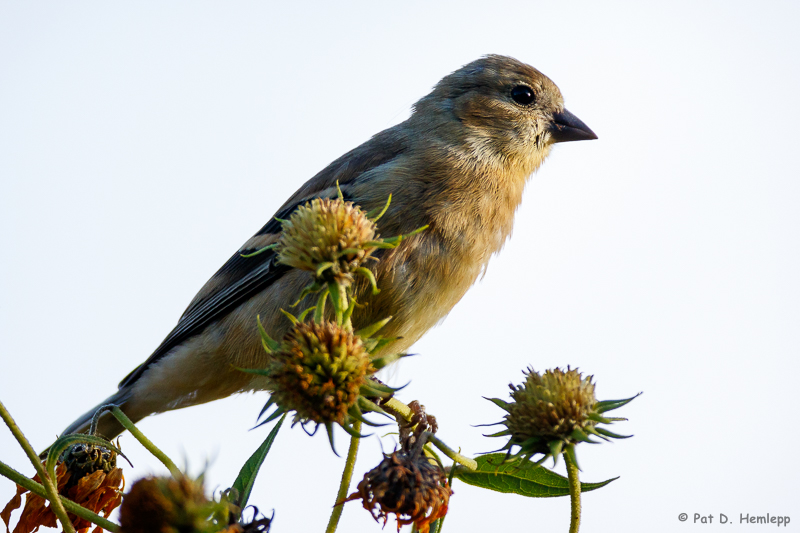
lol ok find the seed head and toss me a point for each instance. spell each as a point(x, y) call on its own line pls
point(407, 485)
point(170, 505)
point(329, 237)
point(554, 411)
point(319, 371)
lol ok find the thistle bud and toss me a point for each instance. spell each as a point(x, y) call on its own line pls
point(554, 411)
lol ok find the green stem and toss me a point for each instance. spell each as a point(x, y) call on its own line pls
point(138, 435)
point(69, 505)
point(49, 484)
point(452, 454)
point(574, 493)
point(347, 476)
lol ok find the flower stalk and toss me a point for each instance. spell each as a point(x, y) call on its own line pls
point(49, 485)
point(347, 476)
point(574, 492)
point(138, 435)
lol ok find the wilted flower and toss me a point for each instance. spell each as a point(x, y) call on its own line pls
point(407, 485)
point(172, 505)
point(88, 476)
point(553, 412)
point(322, 373)
point(329, 237)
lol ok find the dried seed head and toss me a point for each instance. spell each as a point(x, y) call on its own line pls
point(328, 237)
point(410, 487)
point(84, 459)
point(166, 504)
point(550, 406)
point(318, 372)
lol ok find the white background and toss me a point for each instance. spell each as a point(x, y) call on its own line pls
point(142, 143)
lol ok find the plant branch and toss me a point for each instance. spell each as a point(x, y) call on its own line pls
point(574, 493)
point(138, 435)
point(49, 484)
point(69, 505)
point(347, 476)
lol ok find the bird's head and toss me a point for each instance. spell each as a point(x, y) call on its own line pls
point(501, 112)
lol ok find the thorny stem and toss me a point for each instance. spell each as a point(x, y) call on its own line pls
point(138, 435)
point(347, 476)
point(49, 484)
point(574, 493)
point(69, 505)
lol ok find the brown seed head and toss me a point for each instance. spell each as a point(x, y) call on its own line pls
point(169, 505)
point(318, 372)
point(413, 489)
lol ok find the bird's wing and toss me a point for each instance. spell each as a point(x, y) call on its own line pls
point(240, 278)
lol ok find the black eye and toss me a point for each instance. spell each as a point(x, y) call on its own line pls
point(523, 95)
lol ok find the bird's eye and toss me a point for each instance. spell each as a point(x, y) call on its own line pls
point(523, 95)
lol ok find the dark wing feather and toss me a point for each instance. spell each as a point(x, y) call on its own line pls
point(243, 277)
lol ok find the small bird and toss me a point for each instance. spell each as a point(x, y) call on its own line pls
point(459, 165)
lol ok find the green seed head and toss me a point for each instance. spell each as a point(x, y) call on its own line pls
point(328, 237)
point(550, 406)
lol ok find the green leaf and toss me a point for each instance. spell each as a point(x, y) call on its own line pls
point(247, 475)
point(499, 403)
point(610, 405)
point(369, 331)
point(525, 478)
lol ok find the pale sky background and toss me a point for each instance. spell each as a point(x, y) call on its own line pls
point(142, 143)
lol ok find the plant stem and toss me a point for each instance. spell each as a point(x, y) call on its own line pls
point(69, 505)
point(398, 408)
point(574, 493)
point(452, 454)
point(138, 435)
point(347, 475)
point(49, 484)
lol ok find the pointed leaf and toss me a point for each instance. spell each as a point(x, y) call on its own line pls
point(270, 345)
point(611, 434)
point(293, 319)
point(247, 475)
point(610, 405)
point(525, 479)
point(367, 273)
point(329, 430)
point(382, 212)
point(499, 403)
point(369, 331)
point(260, 250)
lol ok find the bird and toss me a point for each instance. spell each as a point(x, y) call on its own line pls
point(457, 165)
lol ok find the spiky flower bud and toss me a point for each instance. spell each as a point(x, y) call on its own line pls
point(551, 406)
point(407, 485)
point(319, 371)
point(554, 411)
point(167, 505)
point(329, 237)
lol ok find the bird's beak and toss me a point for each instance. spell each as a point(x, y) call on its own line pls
point(567, 127)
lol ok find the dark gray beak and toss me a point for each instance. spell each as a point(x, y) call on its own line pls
point(567, 127)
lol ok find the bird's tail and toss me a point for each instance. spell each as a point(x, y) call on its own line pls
point(107, 427)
